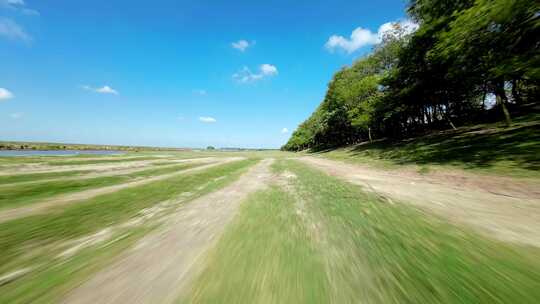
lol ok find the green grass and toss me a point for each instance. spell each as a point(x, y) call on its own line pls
point(18, 195)
point(264, 257)
point(493, 148)
point(30, 177)
point(50, 281)
point(12, 160)
point(21, 236)
point(343, 245)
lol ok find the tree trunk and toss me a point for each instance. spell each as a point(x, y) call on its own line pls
point(515, 92)
point(451, 123)
point(502, 100)
point(447, 115)
point(369, 134)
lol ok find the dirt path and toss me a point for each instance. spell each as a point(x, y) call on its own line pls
point(38, 207)
point(163, 263)
point(510, 213)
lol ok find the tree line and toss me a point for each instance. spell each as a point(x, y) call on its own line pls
point(468, 61)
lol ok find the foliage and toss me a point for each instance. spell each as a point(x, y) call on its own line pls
point(440, 76)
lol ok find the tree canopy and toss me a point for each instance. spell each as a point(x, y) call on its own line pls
point(440, 76)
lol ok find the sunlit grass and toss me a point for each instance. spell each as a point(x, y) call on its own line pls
point(264, 257)
point(320, 239)
point(25, 194)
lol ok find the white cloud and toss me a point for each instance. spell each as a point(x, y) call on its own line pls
point(361, 37)
point(406, 25)
point(268, 69)
point(284, 131)
point(245, 75)
point(207, 119)
point(103, 90)
point(11, 30)
point(5, 94)
point(242, 45)
point(16, 115)
point(107, 90)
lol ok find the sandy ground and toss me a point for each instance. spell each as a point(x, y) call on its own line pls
point(503, 208)
point(61, 200)
point(112, 171)
point(44, 168)
point(162, 264)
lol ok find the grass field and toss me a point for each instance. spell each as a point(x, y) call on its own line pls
point(303, 237)
point(319, 240)
point(17, 195)
point(32, 177)
point(36, 241)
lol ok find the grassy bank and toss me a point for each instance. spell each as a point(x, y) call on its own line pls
point(491, 148)
point(318, 239)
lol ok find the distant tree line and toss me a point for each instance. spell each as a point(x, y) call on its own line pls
point(465, 53)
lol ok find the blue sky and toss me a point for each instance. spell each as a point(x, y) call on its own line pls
point(175, 73)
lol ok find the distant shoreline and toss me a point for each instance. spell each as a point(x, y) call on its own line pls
point(22, 146)
point(44, 146)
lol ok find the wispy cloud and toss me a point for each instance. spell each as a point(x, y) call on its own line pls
point(19, 6)
point(12, 3)
point(242, 45)
point(245, 75)
point(361, 37)
point(207, 119)
point(5, 94)
point(284, 131)
point(11, 30)
point(102, 90)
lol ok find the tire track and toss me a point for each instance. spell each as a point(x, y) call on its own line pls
point(163, 264)
point(65, 199)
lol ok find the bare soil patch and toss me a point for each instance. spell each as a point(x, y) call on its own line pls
point(66, 199)
point(112, 171)
point(44, 168)
point(499, 207)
